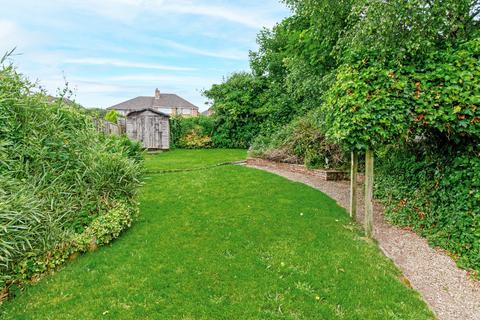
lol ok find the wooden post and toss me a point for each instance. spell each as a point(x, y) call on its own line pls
point(353, 185)
point(369, 193)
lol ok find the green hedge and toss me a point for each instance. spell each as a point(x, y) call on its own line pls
point(57, 177)
point(191, 132)
point(435, 191)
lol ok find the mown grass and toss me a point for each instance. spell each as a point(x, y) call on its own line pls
point(227, 243)
point(191, 159)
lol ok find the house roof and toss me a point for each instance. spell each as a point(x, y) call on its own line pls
point(165, 100)
point(148, 109)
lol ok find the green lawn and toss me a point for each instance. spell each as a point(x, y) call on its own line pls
point(227, 243)
point(191, 159)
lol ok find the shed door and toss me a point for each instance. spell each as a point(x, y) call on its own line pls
point(151, 132)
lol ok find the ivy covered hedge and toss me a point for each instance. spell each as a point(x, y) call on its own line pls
point(62, 184)
point(370, 105)
point(436, 191)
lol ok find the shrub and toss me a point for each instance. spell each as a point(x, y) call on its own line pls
point(106, 227)
point(26, 227)
point(57, 175)
point(301, 141)
point(112, 116)
point(192, 132)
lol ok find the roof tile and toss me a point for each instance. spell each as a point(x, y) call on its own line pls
point(166, 100)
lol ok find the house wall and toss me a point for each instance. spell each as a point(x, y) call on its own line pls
point(185, 112)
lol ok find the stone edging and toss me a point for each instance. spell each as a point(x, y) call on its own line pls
point(326, 175)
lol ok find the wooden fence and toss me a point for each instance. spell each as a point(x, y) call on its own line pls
point(109, 128)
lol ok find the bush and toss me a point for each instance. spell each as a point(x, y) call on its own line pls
point(301, 141)
point(57, 175)
point(112, 116)
point(435, 191)
point(192, 132)
point(101, 231)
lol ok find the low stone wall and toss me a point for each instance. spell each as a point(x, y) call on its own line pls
point(327, 175)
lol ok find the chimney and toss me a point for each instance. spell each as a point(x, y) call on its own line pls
point(157, 94)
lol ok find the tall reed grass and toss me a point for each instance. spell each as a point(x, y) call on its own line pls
point(57, 174)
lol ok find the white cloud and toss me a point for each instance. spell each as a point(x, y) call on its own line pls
point(95, 87)
point(7, 29)
point(165, 79)
point(105, 91)
point(224, 54)
point(128, 10)
point(124, 63)
point(237, 15)
point(125, 83)
point(122, 10)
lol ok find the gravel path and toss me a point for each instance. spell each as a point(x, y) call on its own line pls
point(448, 290)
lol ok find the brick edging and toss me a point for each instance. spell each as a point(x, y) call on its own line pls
point(326, 175)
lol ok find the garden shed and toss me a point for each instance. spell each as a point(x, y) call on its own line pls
point(150, 127)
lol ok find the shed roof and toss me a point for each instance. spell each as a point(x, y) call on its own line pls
point(148, 109)
point(168, 100)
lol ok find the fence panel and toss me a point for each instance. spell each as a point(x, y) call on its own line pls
point(108, 128)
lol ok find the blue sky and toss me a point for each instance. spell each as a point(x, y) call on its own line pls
point(113, 50)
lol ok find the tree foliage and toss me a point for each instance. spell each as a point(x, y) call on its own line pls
point(447, 92)
point(371, 66)
point(370, 105)
point(237, 110)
